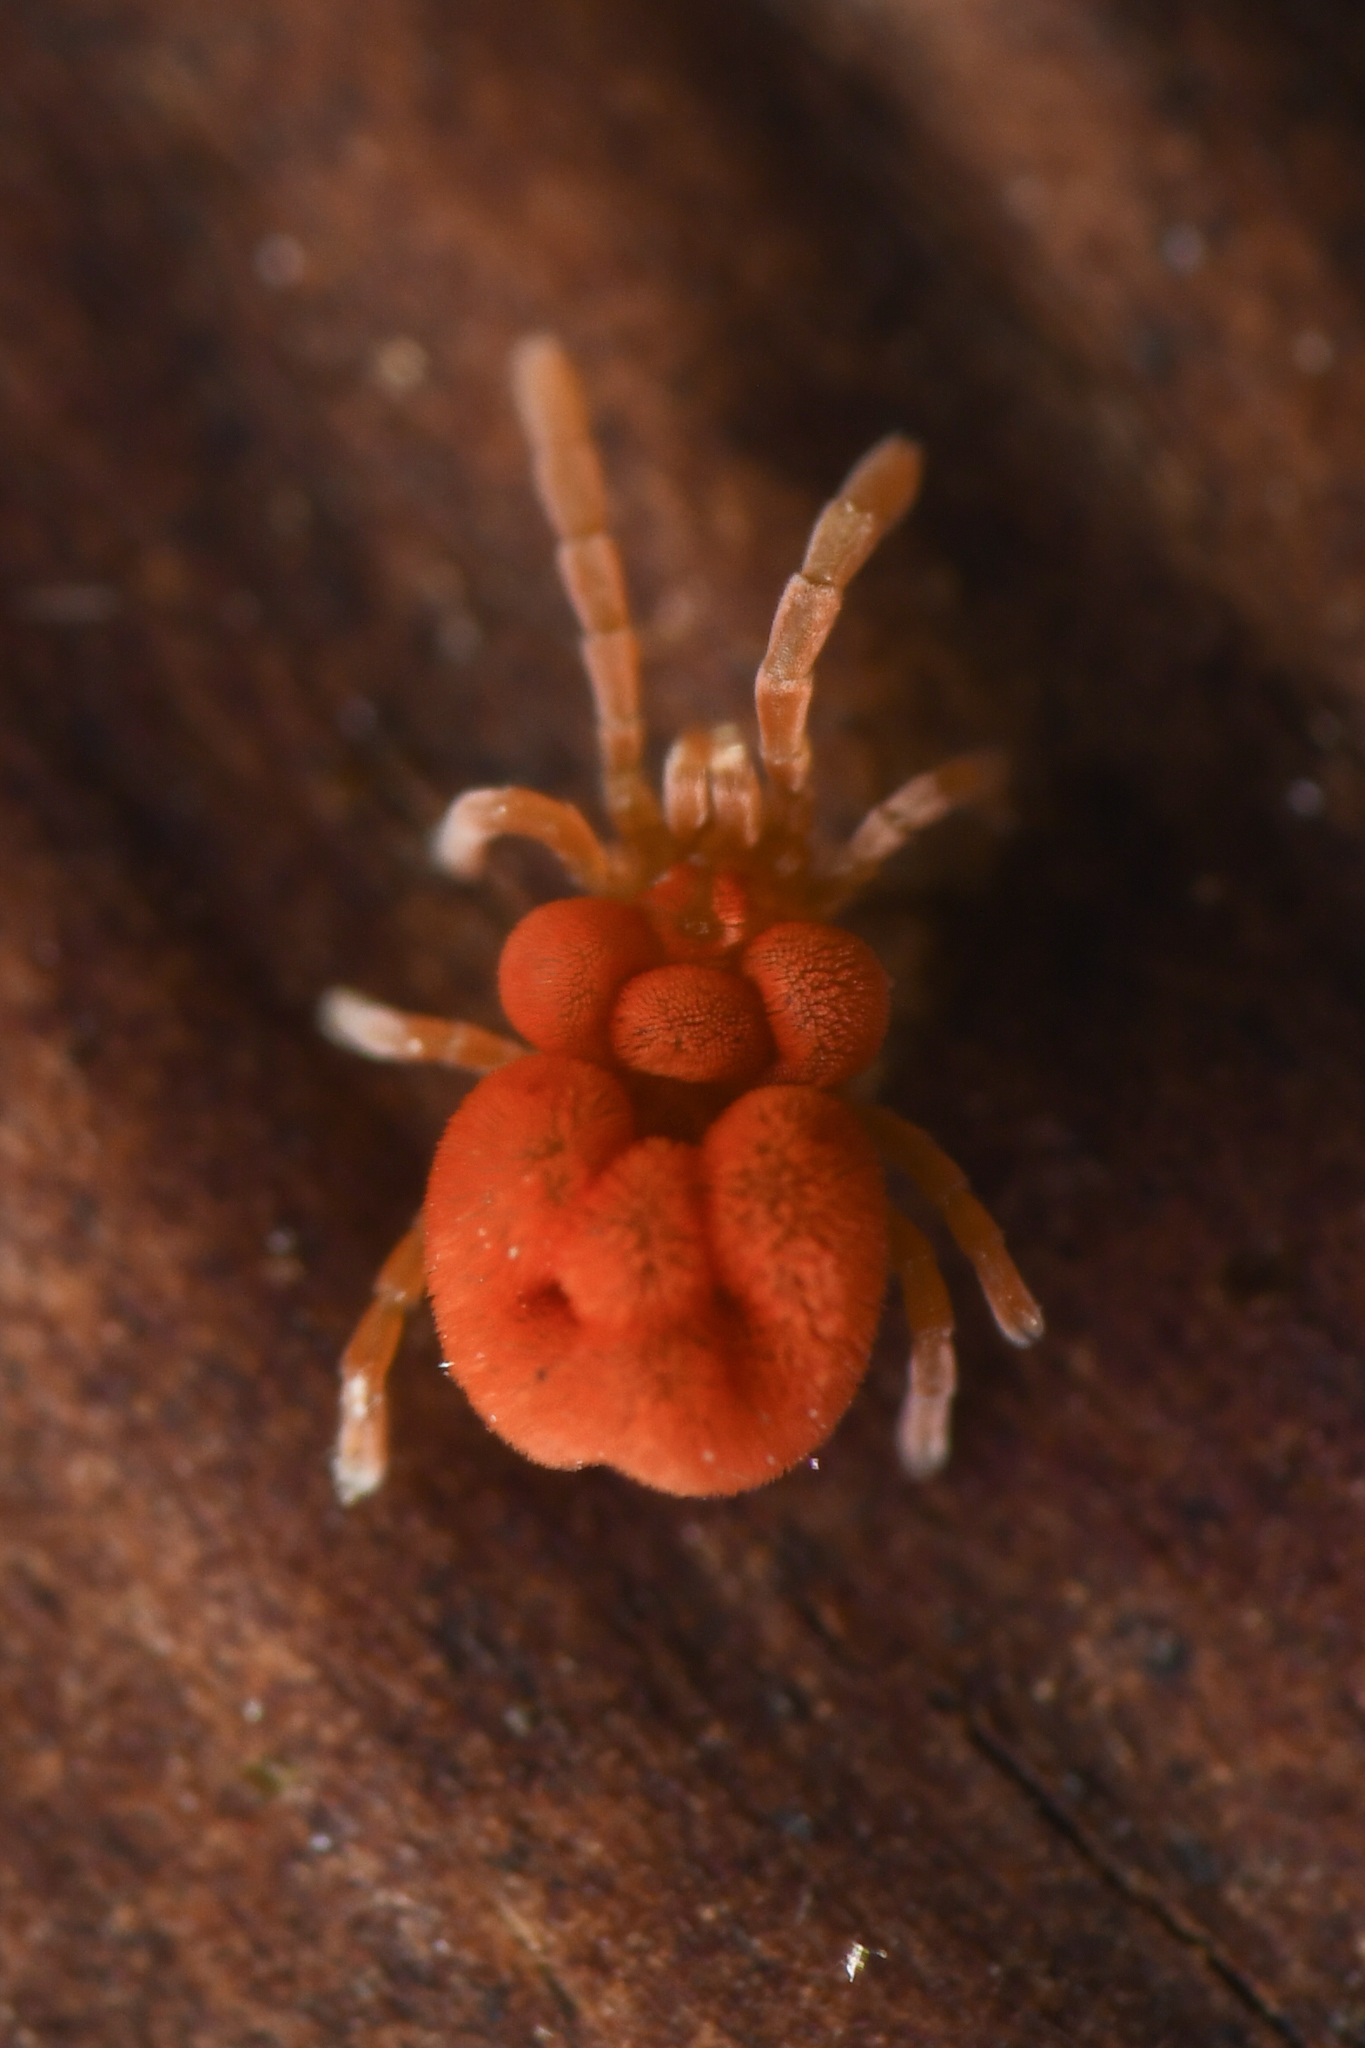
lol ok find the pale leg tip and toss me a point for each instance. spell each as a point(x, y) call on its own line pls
point(360, 1460)
point(1024, 1323)
point(333, 1014)
point(922, 1435)
point(1017, 1315)
point(923, 1428)
point(355, 1479)
point(1034, 1326)
point(460, 841)
point(358, 1024)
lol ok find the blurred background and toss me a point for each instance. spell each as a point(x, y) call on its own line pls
point(1068, 1746)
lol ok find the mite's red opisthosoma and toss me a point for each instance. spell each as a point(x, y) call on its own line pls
point(656, 1233)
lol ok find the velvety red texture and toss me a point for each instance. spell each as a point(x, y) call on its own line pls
point(827, 997)
point(697, 1316)
point(692, 1023)
point(561, 968)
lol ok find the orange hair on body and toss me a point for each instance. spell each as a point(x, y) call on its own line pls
point(561, 967)
point(698, 1316)
point(690, 1022)
point(827, 998)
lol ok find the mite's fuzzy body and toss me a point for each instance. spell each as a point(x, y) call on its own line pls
point(655, 1237)
point(696, 1315)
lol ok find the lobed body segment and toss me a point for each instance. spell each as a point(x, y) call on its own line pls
point(698, 1316)
point(617, 983)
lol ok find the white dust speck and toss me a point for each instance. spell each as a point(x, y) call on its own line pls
point(857, 1957)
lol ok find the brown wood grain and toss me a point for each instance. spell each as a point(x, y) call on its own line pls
point(1068, 1746)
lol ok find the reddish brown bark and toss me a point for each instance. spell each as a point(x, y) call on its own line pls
point(1065, 1747)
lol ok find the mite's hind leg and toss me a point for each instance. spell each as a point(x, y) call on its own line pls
point(923, 1426)
point(568, 479)
point(361, 1457)
point(973, 1227)
point(359, 1024)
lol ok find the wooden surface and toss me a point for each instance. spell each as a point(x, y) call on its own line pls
point(1068, 1747)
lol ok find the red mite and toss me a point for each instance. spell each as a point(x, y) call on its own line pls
point(656, 1234)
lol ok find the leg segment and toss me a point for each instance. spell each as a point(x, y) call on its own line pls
point(967, 779)
point(460, 842)
point(709, 782)
point(361, 1456)
point(922, 1430)
point(358, 1024)
point(736, 799)
point(876, 493)
point(687, 785)
point(974, 1229)
point(568, 479)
